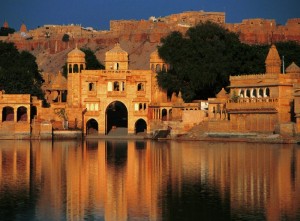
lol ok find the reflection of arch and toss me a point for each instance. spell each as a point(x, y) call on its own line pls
point(22, 114)
point(140, 126)
point(116, 116)
point(164, 114)
point(7, 114)
point(170, 114)
point(91, 126)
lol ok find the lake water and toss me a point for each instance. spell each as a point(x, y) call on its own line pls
point(148, 180)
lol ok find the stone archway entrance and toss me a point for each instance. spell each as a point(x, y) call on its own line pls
point(140, 126)
point(91, 127)
point(116, 119)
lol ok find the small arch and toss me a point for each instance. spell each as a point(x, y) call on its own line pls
point(158, 68)
point(261, 92)
point(91, 86)
point(254, 93)
point(152, 67)
point(242, 93)
point(145, 106)
point(267, 92)
point(7, 114)
point(22, 113)
point(109, 86)
point(140, 126)
point(91, 126)
point(247, 93)
point(140, 106)
point(75, 68)
point(164, 68)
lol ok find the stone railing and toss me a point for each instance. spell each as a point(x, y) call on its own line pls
point(252, 103)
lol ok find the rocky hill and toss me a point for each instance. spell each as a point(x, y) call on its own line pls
point(138, 38)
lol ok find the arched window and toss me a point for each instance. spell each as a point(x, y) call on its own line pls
point(254, 93)
point(261, 92)
point(242, 93)
point(247, 93)
point(140, 87)
point(145, 106)
point(91, 86)
point(7, 114)
point(152, 67)
point(140, 106)
point(22, 114)
point(267, 92)
point(75, 68)
point(164, 68)
point(158, 68)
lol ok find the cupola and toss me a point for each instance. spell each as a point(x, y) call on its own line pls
point(156, 63)
point(116, 59)
point(76, 61)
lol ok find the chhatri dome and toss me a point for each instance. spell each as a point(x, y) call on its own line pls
point(76, 56)
point(116, 58)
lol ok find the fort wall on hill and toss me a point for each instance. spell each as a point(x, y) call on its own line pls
point(141, 37)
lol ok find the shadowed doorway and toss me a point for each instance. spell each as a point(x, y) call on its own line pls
point(91, 126)
point(116, 119)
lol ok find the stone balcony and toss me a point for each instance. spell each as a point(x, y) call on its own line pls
point(252, 104)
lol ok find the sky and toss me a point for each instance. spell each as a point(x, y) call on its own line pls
point(98, 13)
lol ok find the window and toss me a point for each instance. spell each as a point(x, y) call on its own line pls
point(91, 86)
point(140, 87)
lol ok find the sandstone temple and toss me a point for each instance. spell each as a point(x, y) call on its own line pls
point(122, 101)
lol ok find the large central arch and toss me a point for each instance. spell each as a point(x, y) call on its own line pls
point(116, 119)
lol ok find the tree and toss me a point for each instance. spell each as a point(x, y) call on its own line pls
point(6, 31)
point(19, 72)
point(203, 59)
point(91, 60)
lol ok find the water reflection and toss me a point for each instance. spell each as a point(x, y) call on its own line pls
point(146, 180)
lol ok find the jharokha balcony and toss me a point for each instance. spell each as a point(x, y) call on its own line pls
point(263, 104)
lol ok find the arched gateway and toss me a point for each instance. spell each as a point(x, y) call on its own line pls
point(116, 119)
point(140, 126)
point(91, 126)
